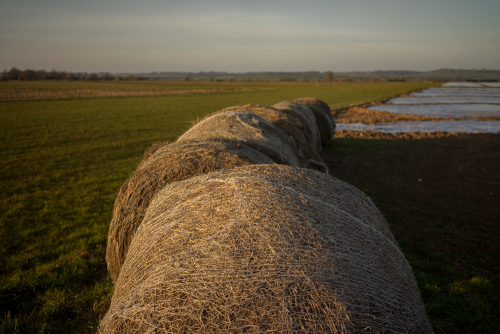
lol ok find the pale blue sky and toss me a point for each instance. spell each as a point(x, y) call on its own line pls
point(240, 36)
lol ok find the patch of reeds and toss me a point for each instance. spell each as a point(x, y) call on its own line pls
point(372, 117)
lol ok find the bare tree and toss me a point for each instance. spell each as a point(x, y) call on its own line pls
point(13, 74)
point(329, 77)
point(71, 76)
point(30, 74)
point(107, 76)
point(91, 76)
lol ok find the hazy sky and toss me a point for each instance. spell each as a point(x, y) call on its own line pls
point(249, 35)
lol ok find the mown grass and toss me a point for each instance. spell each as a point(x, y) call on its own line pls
point(62, 164)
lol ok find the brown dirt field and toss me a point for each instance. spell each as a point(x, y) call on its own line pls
point(39, 94)
point(441, 196)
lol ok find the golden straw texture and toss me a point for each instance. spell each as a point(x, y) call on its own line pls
point(162, 164)
point(264, 248)
point(296, 134)
point(304, 115)
point(323, 115)
point(246, 126)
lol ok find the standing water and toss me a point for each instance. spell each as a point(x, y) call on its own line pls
point(460, 100)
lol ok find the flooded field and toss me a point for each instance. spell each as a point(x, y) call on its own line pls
point(472, 126)
point(445, 99)
point(462, 84)
point(440, 91)
point(472, 84)
point(455, 107)
point(492, 84)
point(442, 110)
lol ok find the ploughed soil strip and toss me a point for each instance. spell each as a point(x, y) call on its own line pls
point(47, 93)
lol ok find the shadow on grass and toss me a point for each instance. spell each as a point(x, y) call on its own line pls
point(440, 197)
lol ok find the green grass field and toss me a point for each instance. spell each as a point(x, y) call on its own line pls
point(62, 164)
point(336, 94)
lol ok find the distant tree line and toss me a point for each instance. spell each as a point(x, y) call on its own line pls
point(311, 76)
point(32, 75)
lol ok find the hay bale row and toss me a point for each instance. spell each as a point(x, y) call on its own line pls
point(323, 115)
point(163, 164)
point(306, 117)
point(246, 126)
point(264, 248)
point(233, 137)
point(296, 134)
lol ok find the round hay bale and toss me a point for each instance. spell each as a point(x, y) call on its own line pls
point(248, 127)
point(323, 115)
point(304, 115)
point(264, 248)
point(296, 135)
point(162, 164)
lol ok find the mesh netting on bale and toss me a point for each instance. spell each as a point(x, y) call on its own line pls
point(323, 115)
point(162, 164)
point(305, 116)
point(254, 130)
point(264, 248)
point(297, 135)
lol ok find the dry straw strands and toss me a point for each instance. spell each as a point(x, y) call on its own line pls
point(249, 127)
point(233, 137)
point(264, 248)
point(323, 115)
point(162, 164)
point(296, 133)
point(304, 115)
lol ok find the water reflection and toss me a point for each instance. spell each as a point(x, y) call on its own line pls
point(422, 99)
point(466, 100)
point(440, 91)
point(472, 84)
point(473, 126)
